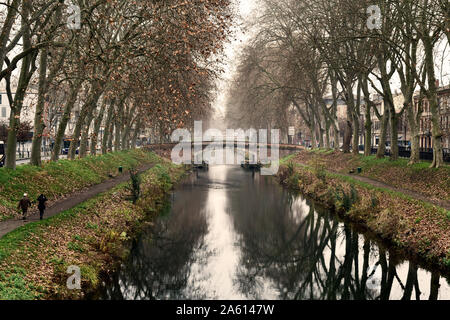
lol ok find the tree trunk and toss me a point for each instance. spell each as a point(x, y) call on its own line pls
point(415, 137)
point(386, 75)
point(109, 126)
point(27, 69)
point(368, 132)
point(44, 82)
point(14, 123)
point(119, 125)
point(39, 124)
point(312, 129)
point(336, 135)
point(334, 93)
point(394, 132)
point(65, 120)
point(355, 149)
point(434, 287)
point(356, 119)
point(350, 110)
point(410, 280)
point(84, 141)
point(438, 156)
point(320, 131)
point(137, 129)
point(127, 124)
point(96, 129)
point(117, 137)
point(367, 116)
point(85, 110)
point(76, 134)
point(347, 137)
point(321, 143)
point(408, 84)
point(383, 135)
point(111, 136)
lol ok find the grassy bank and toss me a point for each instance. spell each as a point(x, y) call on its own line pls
point(434, 183)
point(59, 179)
point(34, 258)
point(412, 225)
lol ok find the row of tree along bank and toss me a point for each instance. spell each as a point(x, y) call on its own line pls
point(414, 226)
point(93, 236)
point(330, 62)
point(123, 66)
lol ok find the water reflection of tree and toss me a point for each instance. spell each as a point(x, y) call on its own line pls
point(159, 264)
point(314, 257)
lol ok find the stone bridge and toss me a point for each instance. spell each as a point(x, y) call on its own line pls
point(242, 148)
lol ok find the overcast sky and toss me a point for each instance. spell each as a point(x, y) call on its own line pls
point(245, 9)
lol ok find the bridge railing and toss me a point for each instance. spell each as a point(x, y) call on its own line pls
point(236, 144)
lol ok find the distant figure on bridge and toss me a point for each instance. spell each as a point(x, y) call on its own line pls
point(41, 205)
point(24, 204)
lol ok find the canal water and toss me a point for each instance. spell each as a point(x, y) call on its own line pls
point(233, 234)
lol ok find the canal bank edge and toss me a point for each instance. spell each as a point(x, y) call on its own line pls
point(410, 225)
point(93, 236)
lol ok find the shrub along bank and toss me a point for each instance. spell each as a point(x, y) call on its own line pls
point(61, 178)
point(419, 228)
point(34, 259)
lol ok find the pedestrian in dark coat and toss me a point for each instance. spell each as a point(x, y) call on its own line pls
point(24, 204)
point(41, 205)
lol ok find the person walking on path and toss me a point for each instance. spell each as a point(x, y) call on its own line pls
point(41, 205)
point(24, 204)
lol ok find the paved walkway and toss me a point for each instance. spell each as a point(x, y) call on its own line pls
point(441, 203)
point(68, 203)
point(27, 161)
